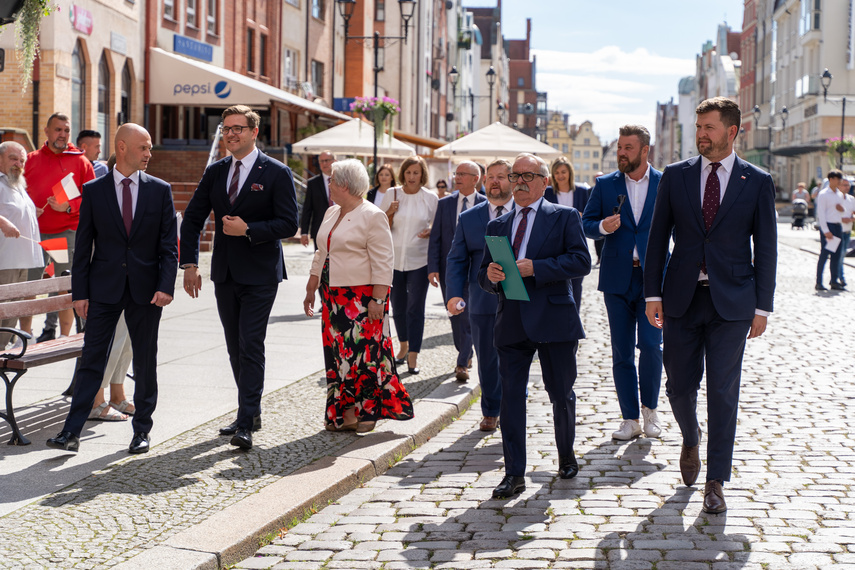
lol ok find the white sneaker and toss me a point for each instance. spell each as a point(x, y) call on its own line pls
point(629, 429)
point(652, 428)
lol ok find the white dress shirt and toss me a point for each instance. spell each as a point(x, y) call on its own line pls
point(135, 189)
point(492, 208)
point(378, 197)
point(848, 212)
point(826, 208)
point(246, 164)
point(470, 201)
point(529, 224)
point(17, 207)
point(326, 186)
point(564, 198)
point(637, 195)
point(415, 214)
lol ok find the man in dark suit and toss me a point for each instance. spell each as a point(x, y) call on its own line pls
point(619, 212)
point(463, 263)
point(550, 249)
point(255, 207)
point(448, 209)
point(317, 199)
point(125, 259)
point(717, 288)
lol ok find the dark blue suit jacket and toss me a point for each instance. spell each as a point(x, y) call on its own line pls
point(580, 196)
point(442, 231)
point(742, 278)
point(314, 206)
point(559, 252)
point(266, 202)
point(105, 256)
point(616, 265)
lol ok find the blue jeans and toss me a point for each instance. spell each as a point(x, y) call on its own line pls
point(844, 246)
point(824, 254)
point(408, 296)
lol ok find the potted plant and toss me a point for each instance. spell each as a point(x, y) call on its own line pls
point(377, 110)
point(28, 14)
point(840, 147)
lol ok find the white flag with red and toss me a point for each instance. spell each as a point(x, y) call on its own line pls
point(66, 190)
point(57, 248)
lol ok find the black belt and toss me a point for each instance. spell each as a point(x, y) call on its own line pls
point(704, 283)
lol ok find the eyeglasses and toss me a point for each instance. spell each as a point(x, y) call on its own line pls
point(236, 130)
point(465, 174)
point(526, 176)
point(443, 186)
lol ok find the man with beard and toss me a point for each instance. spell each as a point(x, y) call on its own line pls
point(624, 226)
point(550, 250)
point(717, 289)
point(464, 260)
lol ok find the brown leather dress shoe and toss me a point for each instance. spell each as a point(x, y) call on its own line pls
point(489, 423)
point(690, 462)
point(714, 498)
point(461, 373)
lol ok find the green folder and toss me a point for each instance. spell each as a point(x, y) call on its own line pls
point(513, 286)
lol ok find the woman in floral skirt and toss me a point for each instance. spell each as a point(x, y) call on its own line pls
point(353, 269)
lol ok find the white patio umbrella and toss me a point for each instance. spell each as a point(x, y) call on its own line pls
point(352, 139)
point(495, 141)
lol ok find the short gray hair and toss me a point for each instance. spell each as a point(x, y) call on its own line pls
point(351, 174)
point(12, 145)
point(544, 167)
point(471, 164)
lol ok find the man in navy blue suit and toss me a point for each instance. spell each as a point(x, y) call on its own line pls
point(619, 212)
point(255, 207)
point(717, 289)
point(550, 249)
point(464, 261)
point(125, 259)
point(464, 197)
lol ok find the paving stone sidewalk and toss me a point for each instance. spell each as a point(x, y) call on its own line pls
point(790, 499)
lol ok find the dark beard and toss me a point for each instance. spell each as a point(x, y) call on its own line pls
point(629, 165)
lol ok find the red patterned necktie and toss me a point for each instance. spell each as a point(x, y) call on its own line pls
point(233, 186)
point(518, 237)
point(712, 200)
point(127, 205)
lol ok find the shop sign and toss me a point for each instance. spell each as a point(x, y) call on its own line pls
point(81, 19)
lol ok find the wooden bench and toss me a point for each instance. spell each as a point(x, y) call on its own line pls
point(14, 365)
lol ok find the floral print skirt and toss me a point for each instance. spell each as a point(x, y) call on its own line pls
point(359, 358)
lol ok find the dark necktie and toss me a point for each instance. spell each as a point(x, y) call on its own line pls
point(233, 186)
point(465, 204)
point(712, 200)
point(518, 237)
point(499, 211)
point(127, 205)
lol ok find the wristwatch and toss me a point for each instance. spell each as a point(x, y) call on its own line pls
point(248, 236)
point(68, 210)
point(380, 301)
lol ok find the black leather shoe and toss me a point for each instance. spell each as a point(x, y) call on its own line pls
point(413, 370)
point(714, 498)
point(820, 287)
point(509, 487)
point(140, 443)
point(232, 428)
point(242, 438)
point(47, 334)
point(567, 467)
point(838, 287)
point(66, 441)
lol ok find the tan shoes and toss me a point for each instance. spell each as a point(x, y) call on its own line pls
point(489, 423)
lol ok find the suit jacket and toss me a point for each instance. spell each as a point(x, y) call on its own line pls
point(106, 257)
point(361, 252)
point(742, 278)
point(267, 202)
point(581, 195)
point(442, 231)
point(314, 207)
point(559, 252)
point(616, 266)
point(464, 260)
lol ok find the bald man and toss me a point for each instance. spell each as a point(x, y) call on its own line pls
point(127, 218)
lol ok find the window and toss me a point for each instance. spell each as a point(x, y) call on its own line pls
point(577, 154)
point(191, 14)
point(555, 146)
point(78, 89)
point(168, 10)
point(126, 94)
point(262, 57)
point(596, 154)
point(250, 50)
point(104, 102)
point(565, 148)
point(586, 166)
point(586, 154)
point(520, 82)
point(318, 9)
point(212, 18)
point(809, 20)
point(318, 78)
point(380, 10)
point(289, 69)
point(587, 142)
point(596, 166)
point(555, 134)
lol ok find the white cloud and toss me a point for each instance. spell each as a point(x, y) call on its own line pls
point(612, 59)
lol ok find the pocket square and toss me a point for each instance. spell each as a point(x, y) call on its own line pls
point(256, 188)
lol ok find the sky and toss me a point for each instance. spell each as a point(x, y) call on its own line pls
point(610, 61)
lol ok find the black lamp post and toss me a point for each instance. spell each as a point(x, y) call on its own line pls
point(346, 8)
point(491, 81)
point(784, 115)
point(454, 77)
point(825, 79)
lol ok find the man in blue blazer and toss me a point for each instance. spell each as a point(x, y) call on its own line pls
point(550, 249)
point(317, 199)
point(441, 235)
point(255, 207)
point(630, 191)
point(718, 284)
point(464, 261)
point(578, 199)
point(125, 259)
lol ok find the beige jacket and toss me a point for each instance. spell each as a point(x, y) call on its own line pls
point(361, 251)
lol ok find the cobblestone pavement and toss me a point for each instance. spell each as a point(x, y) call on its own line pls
point(135, 504)
point(790, 499)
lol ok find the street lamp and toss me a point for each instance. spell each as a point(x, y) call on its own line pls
point(454, 77)
point(825, 79)
point(346, 8)
point(491, 81)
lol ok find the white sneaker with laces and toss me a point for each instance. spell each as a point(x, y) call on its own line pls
point(652, 428)
point(628, 429)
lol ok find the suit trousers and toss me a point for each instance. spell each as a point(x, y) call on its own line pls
point(244, 312)
point(558, 363)
point(626, 320)
point(461, 327)
point(702, 335)
point(488, 363)
point(824, 255)
point(408, 296)
point(143, 322)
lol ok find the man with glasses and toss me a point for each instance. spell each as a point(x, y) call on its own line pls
point(448, 209)
point(550, 250)
point(317, 199)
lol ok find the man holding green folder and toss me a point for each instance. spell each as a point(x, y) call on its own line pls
point(547, 249)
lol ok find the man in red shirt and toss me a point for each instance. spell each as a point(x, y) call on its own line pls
point(44, 169)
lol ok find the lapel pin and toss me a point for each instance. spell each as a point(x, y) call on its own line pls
point(743, 178)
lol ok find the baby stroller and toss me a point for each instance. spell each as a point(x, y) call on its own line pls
point(800, 211)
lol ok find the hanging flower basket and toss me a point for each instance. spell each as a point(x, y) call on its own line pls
point(378, 111)
point(838, 147)
point(27, 26)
